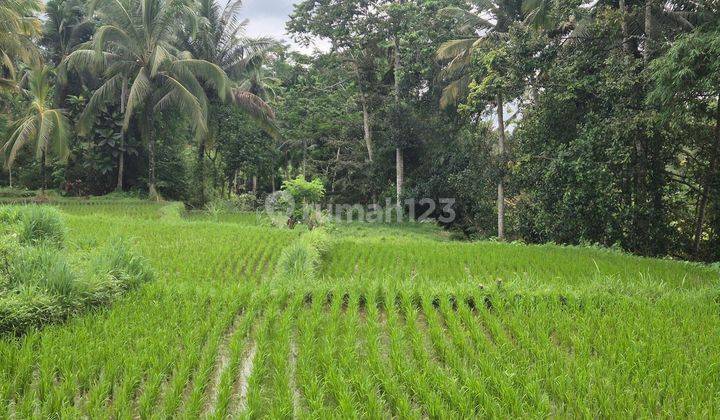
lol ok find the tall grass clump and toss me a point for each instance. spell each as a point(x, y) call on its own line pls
point(41, 224)
point(301, 259)
point(172, 212)
point(118, 263)
point(39, 284)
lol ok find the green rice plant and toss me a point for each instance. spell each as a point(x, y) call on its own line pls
point(172, 212)
point(44, 268)
point(391, 323)
point(40, 286)
point(120, 263)
point(301, 260)
point(10, 215)
point(41, 224)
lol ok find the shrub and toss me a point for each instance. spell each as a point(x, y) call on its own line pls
point(301, 259)
point(303, 191)
point(39, 286)
point(247, 202)
point(305, 194)
point(119, 262)
point(172, 212)
point(41, 224)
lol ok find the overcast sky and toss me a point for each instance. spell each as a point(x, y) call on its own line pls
point(268, 18)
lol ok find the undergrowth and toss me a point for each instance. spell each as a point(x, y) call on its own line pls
point(40, 284)
point(172, 212)
point(300, 261)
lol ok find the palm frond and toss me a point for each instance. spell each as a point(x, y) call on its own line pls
point(207, 72)
point(23, 134)
point(258, 110)
point(451, 49)
point(139, 91)
point(455, 91)
point(108, 92)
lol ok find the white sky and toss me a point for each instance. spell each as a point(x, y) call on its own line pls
point(268, 18)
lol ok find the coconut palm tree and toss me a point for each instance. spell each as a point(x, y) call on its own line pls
point(220, 39)
point(65, 27)
point(18, 27)
point(43, 127)
point(133, 50)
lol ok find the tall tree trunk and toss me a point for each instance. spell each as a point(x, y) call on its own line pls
point(121, 159)
point(201, 168)
point(710, 176)
point(43, 172)
point(10, 176)
point(235, 182)
point(367, 124)
point(624, 27)
point(254, 184)
point(150, 138)
point(400, 172)
point(501, 181)
point(650, 35)
point(399, 155)
point(367, 128)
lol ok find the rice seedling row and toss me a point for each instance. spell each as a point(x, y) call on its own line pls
point(434, 330)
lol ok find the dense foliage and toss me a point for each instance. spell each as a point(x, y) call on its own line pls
point(547, 121)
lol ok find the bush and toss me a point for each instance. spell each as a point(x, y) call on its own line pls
point(38, 285)
point(247, 202)
point(119, 262)
point(172, 211)
point(239, 204)
point(301, 260)
point(305, 194)
point(41, 224)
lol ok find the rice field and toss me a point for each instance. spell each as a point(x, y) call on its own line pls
point(392, 324)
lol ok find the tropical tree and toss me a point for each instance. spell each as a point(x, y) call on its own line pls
point(18, 26)
point(144, 72)
point(64, 28)
point(483, 24)
point(220, 38)
point(687, 80)
point(43, 127)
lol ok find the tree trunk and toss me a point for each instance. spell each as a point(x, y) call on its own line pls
point(254, 184)
point(121, 159)
point(367, 124)
point(367, 128)
point(710, 175)
point(501, 180)
point(624, 26)
point(201, 168)
point(399, 155)
point(650, 36)
point(10, 176)
point(235, 182)
point(150, 138)
point(400, 172)
point(43, 173)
